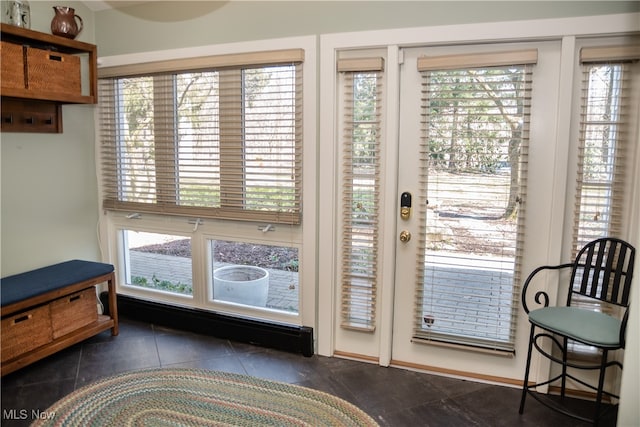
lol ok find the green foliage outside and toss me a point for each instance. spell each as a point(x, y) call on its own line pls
point(162, 285)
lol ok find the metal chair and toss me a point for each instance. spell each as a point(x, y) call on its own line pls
point(601, 273)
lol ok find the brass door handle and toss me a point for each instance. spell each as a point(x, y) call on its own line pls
point(405, 236)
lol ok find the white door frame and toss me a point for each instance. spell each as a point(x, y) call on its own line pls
point(565, 29)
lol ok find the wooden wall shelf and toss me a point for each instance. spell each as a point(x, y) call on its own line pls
point(41, 72)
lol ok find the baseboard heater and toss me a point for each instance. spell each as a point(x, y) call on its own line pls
point(294, 339)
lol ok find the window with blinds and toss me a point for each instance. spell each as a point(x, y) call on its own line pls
point(217, 137)
point(476, 112)
point(362, 91)
point(604, 148)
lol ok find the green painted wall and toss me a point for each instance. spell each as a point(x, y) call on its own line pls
point(168, 25)
point(49, 204)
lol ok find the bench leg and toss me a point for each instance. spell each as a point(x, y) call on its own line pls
point(113, 304)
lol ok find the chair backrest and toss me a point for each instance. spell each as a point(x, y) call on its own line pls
point(603, 270)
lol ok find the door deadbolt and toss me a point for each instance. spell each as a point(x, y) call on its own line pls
point(405, 236)
point(405, 205)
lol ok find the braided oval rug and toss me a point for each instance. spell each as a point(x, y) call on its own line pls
point(194, 397)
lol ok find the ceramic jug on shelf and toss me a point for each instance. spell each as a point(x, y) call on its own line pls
point(64, 22)
point(17, 12)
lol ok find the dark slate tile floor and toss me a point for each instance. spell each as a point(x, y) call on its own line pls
point(394, 397)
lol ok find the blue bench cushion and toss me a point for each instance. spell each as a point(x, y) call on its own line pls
point(36, 282)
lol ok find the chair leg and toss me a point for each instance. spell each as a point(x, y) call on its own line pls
point(526, 372)
point(603, 369)
point(563, 387)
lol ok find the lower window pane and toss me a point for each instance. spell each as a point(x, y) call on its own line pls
point(255, 275)
point(160, 262)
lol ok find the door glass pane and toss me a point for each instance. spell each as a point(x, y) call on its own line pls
point(255, 275)
point(160, 262)
point(602, 151)
point(360, 211)
point(469, 258)
point(476, 127)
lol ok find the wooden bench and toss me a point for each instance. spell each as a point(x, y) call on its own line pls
point(46, 310)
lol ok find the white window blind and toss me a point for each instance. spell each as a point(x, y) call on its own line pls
point(223, 141)
point(361, 183)
point(603, 145)
point(474, 174)
point(604, 149)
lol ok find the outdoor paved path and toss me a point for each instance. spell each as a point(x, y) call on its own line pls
point(283, 285)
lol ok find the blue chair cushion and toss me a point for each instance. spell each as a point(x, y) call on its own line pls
point(589, 327)
point(36, 282)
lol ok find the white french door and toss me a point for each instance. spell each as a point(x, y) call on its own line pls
point(451, 301)
point(467, 129)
